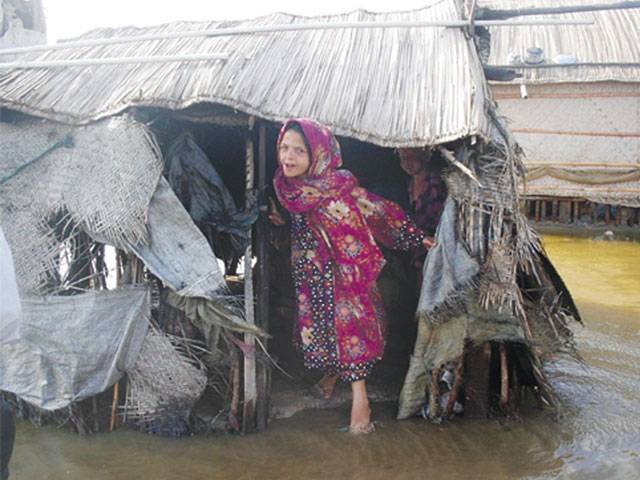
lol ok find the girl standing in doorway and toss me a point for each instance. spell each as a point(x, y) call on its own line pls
point(335, 259)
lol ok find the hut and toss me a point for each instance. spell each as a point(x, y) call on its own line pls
point(100, 148)
point(574, 110)
point(21, 23)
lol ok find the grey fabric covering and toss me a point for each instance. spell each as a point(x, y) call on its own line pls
point(441, 343)
point(74, 347)
point(177, 252)
point(448, 269)
point(10, 309)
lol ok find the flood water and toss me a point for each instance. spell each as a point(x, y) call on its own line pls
point(596, 437)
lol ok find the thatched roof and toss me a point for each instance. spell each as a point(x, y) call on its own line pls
point(607, 50)
point(392, 87)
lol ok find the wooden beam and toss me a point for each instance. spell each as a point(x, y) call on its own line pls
point(502, 14)
point(575, 133)
point(262, 241)
point(250, 390)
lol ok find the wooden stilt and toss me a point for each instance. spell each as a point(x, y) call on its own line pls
point(235, 395)
point(94, 412)
point(607, 214)
point(537, 212)
point(434, 394)
point(504, 379)
point(114, 407)
point(478, 366)
point(455, 390)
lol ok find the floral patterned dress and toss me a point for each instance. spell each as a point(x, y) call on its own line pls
point(336, 261)
point(341, 325)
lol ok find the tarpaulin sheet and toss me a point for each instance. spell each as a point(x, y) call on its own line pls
point(73, 347)
point(177, 252)
point(10, 309)
point(204, 195)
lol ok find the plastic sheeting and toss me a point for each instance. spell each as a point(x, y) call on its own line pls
point(10, 309)
point(204, 195)
point(177, 251)
point(447, 271)
point(74, 347)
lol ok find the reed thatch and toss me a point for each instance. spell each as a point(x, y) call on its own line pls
point(607, 50)
point(392, 87)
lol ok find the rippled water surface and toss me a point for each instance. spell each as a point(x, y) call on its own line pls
point(596, 437)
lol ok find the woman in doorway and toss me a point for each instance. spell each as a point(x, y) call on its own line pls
point(335, 259)
point(427, 193)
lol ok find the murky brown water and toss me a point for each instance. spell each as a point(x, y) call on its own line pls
point(597, 437)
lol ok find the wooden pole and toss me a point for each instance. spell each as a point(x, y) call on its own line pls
point(250, 391)
point(504, 379)
point(501, 14)
point(262, 241)
point(114, 406)
point(296, 27)
point(86, 62)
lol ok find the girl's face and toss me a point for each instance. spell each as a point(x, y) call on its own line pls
point(410, 161)
point(293, 155)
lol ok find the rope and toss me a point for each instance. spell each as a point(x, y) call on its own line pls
point(67, 141)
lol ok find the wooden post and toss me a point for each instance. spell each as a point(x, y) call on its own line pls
point(504, 379)
point(555, 210)
point(537, 214)
point(477, 371)
point(607, 214)
point(250, 391)
point(262, 241)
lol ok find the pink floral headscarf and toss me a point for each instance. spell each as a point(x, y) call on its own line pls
point(324, 196)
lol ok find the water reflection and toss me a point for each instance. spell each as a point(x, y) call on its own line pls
point(595, 437)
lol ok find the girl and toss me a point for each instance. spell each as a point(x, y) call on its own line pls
point(335, 259)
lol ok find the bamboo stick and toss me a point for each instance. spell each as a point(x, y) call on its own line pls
point(85, 62)
point(434, 394)
point(504, 378)
point(262, 240)
point(235, 395)
point(498, 14)
point(542, 131)
point(94, 411)
point(457, 385)
point(582, 164)
point(250, 387)
point(114, 406)
point(222, 32)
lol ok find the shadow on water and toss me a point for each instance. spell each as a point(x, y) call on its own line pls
point(595, 437)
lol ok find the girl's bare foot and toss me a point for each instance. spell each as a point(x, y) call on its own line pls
point(360, 410)
point(326, 386)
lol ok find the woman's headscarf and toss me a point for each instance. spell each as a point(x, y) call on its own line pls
point(324, 196)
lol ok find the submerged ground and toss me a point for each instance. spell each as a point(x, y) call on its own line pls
point(596, 437)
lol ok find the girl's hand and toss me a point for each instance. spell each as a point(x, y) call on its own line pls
point(428, 242)
point(275, 217)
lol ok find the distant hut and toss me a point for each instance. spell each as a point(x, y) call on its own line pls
point(575, 111)
point(22, 23)
point(491, 305)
